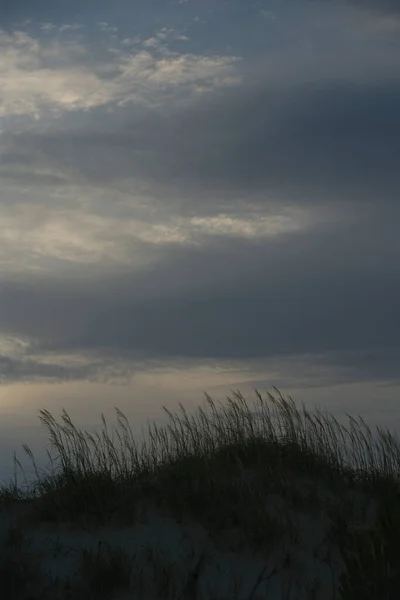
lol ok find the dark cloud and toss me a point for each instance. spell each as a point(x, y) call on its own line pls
point(23, 9)
point(331, 143)
point(32, 370)
point(338, 137)
point(13, 12)
point(373, 5)
point(333, 291)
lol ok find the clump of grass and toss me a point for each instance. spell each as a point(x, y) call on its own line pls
point(94, 472)
point(224, 461)
point(105, 570)
point(19, 571)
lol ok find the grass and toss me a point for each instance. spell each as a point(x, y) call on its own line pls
point(257, 484)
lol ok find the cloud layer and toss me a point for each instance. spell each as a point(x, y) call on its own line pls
point(165, 200)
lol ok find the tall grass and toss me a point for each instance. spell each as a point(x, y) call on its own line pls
point(276, 428)
point(207, 456)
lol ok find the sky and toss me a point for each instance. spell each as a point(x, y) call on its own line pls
point(197, 196)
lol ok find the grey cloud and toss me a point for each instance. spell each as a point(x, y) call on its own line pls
point(333, 291)
point(13, 12)
point(341, 138)
point(338, 142)
point(31, 179)
point(22, 370)
point(373, 5)
point(12, 369)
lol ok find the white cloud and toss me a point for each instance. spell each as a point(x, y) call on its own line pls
point(168, 33)
point(106, 27)
point(61, 28)
point(36, 237)
point(33, 235)
point(252, 227)
point(267, 14)
point(31, 84)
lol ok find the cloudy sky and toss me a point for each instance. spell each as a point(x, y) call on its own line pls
point(197, 195)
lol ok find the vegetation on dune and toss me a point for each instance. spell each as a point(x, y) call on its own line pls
point(217, 467)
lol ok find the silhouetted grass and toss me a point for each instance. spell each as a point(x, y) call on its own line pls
point(218, 467)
